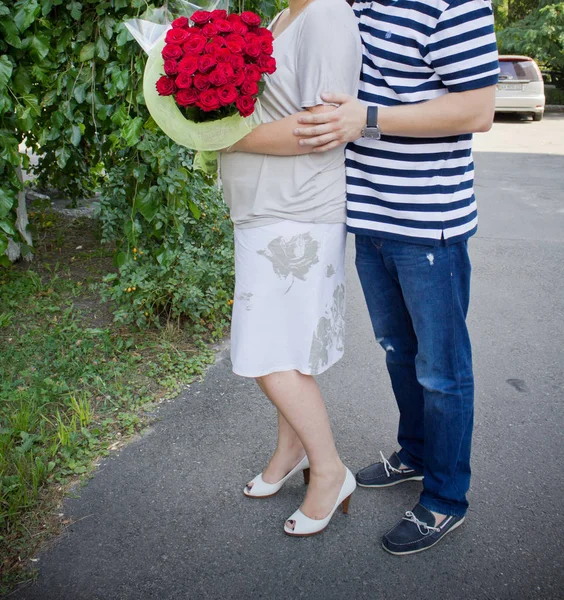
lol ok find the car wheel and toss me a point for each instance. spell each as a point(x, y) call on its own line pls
point(537, 116)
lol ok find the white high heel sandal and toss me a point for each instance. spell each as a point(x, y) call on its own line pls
point(304, 526)
point(262, 489)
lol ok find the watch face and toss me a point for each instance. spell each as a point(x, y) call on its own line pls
point(372, 133)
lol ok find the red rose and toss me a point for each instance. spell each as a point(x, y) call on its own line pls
point(227, 94)
point(210, 30)
point(187, 97)
point(245, 105)
point(253, 50)
point(208, 101)
point(266, 45)
point(206, 63)
point(201, 82)
point(250, 18)
point(263, 32)
point(218, 14)
point(223, 55)
point(224, 26)
point(236, 61)
point(172, 51)
point(194, 44)
point(248, 88)
point(176, 36)
point(251, 37)
point(234, 18)
point(235, 43)
point(226, 69)
point(214, 47)
point(184, 81)
point(188, 65)
point(218, 77)
point(252, 72)
point(170, 67)
point(240, 28)
point(180, 22)
point(237, 78)
point(267, 64)
point(201, 17)
point(166, 86)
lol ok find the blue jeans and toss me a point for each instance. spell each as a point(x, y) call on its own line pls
point(418, 297)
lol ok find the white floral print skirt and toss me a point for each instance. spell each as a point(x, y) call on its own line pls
point(289, 304)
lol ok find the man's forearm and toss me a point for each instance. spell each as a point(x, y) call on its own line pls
point(451, 114)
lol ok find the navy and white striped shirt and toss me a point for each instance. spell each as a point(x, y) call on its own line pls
point(418, 189)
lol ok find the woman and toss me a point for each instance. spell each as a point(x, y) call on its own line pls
point(288, 208)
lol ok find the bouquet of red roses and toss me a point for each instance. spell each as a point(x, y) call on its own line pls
point(213, 67)
point(204, 74)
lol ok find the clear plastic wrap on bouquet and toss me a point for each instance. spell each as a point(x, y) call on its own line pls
point(150, 31)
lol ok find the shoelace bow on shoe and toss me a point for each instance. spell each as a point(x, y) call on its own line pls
point(424, 529)
point(387, 466)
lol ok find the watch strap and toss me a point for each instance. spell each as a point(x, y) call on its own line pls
point(372, 116)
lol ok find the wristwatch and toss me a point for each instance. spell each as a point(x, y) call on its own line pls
point(371, 131)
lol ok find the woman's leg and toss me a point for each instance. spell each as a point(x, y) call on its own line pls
point(298, 398)
point(289, 451)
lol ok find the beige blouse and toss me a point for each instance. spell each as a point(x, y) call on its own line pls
point(318, 52)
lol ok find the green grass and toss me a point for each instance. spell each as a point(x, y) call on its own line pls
point(72, 384)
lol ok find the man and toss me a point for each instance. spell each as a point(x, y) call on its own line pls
point(427, 82)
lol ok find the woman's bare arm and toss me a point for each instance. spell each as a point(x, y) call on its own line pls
point(277, 137)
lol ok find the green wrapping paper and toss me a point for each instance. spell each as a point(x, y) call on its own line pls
point(206, 137)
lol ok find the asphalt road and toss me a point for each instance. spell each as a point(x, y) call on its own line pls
point(165, 518)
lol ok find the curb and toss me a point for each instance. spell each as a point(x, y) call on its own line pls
point(554, 108)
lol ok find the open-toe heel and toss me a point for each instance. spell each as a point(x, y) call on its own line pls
point(301, 526)
point(259, 488)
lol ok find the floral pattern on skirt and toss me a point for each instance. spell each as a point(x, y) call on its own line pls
point(289, 304)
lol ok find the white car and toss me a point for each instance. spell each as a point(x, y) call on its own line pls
point(520, 88)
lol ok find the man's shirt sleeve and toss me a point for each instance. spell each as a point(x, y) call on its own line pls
point(462, 49)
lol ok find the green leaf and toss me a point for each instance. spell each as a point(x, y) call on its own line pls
point(25, 249)
point(120, 116)
point(120, 259)
point(26, 12)
point(107, 26)
point(7, 227)
point(76, 135)
point(63, 154)
point(147, 204)
point(6, 68)
point(87, 52)
point(102, 48)
point(80, 91)
point(132, 130)
point(22, 81)
point(32, 103)
point(3, 246)
point(11, 33)
point(75, 10)
point(6, 202)
point(40, 46)
point(40, 74)
point(46, 6)
point(4, 260)
point(194, 209)
point(49, 98)
point(123, 37)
